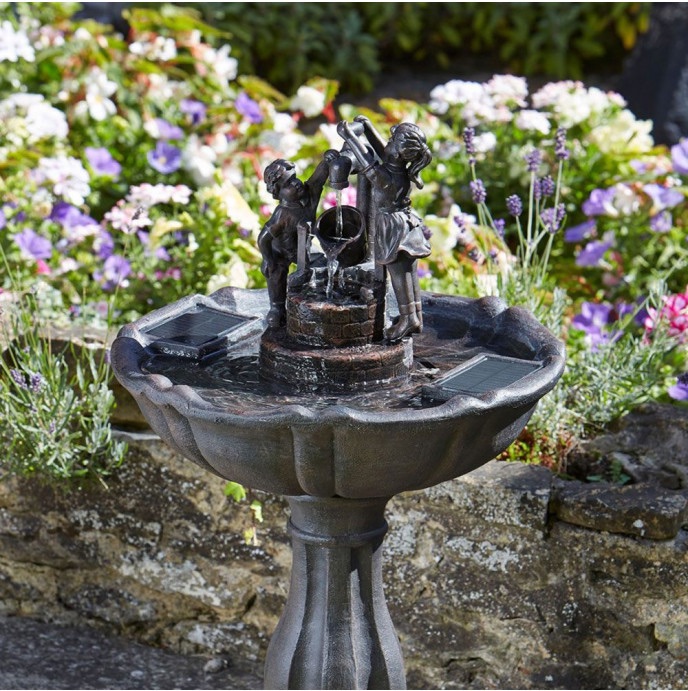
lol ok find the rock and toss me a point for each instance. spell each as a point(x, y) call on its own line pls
point(643, 510)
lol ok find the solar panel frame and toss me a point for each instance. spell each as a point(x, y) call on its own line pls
point(481, 374)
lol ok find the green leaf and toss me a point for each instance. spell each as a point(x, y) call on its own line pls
point(236, 491)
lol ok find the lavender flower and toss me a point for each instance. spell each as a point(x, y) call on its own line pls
point(193, 108)
point(661, 222)
point(32, 245)
point(3, 219)
point(560, 150)
point(499, 224)
point(679, 391)
point(163, 129)
point(592, 253)
point(514, 205)
point(19, 378)
point(104, 245)
point(478, 191)
point(533, 159)
point(547, 186)
point(102, 162)
point(165, 158)
point(469, 141)
point(553, 217)
point(247, 107)
point(36, 382)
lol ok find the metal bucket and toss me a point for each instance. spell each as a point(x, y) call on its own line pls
point(349, 248)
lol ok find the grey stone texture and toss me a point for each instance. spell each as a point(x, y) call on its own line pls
point(505, 578)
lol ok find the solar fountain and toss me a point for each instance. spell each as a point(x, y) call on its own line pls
point(310, 389)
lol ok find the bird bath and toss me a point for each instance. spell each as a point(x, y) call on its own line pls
point(358, 418)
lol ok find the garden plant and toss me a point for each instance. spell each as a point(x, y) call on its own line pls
point(131, 175)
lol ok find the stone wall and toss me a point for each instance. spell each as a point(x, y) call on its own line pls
point(505, 578)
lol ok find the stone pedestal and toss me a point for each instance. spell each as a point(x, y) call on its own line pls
point(335, 632)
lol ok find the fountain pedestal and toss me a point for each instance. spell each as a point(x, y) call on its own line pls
point(335, 631)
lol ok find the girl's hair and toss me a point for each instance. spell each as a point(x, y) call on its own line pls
point(414, 149)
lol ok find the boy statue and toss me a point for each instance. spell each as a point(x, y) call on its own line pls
point(278, 240)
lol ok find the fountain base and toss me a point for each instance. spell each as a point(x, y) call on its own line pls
point(333, 340)
point(334, 370)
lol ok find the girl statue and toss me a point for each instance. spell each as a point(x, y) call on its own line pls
point(398, 230)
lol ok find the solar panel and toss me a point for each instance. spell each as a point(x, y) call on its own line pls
point(195, 333)
point(480, 375)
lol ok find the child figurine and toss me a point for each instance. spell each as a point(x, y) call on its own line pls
point(399, 232)
point(278, 240)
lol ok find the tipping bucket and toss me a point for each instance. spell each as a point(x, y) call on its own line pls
point(350, 248)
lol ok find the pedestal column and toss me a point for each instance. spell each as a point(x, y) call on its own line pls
point(335, 631)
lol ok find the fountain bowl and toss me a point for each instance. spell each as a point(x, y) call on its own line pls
point(331, 446)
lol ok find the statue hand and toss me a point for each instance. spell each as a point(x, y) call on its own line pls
point(364, 120)
point(344, 130)
point(330, 155)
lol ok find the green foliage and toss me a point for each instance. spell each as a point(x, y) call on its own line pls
point(54, 418)
point(288, 43)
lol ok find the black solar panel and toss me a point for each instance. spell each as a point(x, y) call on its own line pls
point(487, 373)
point(194, 333)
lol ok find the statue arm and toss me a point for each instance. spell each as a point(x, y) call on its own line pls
point(372, 135)
point(363, 156)
point(317, 181)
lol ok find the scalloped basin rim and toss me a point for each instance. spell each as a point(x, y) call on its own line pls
point(161, 391)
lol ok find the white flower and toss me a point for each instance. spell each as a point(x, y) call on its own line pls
point(485, 142)
point(18, 102)
point(98, 88)
point(160, 48)
point(623, 134)
point(199, 160)
point(69, 177)
point(625, 201)
point(309, 101)
point(127, 218)
point(231, 274)
point(533, 120)
point(42, 120)
point(334, 141)
point(507, 90)
point(14, 45)
point(219, 61)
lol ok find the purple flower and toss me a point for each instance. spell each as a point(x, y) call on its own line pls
point(593, 320)
point(599, 202)
point(104, 245)
point(468, 140)
point(248, 108)
point(499, 224)
point(19, 378)
point(478, 191)
point(166, 130)
point(663, 197)
point(592, 253)
point(661, 222)
point(115, 270)
point(547, 186)
point(553, 217)
point(3, 219)
point(165, 158)
point(196, 109)
point(533, 159)
point(514, 205)
point(679, 157)
point(69, 216)
point(581, 231)
point(639, 167)
point(36, 382)
point(560, 150)
point(102, 162)
point(33, 245)
point(679, 391)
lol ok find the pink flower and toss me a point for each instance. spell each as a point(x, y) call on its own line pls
point(675, 311)
point(348, 198)
point(42, 267)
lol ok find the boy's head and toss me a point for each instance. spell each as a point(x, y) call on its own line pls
point(276, 174)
